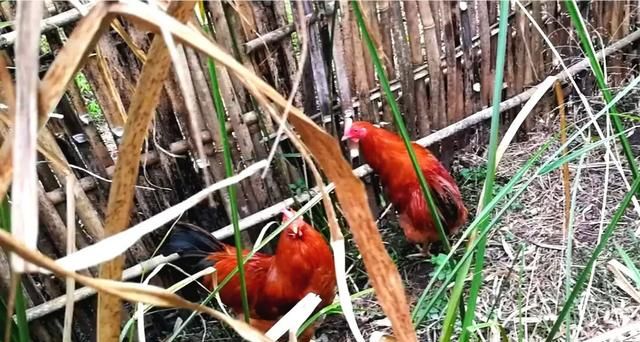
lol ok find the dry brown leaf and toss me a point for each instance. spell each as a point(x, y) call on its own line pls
point(378, 336)
point(138, 52)
point(141, 110)
point(120, 116)
point(133, 292)
point(325, 149)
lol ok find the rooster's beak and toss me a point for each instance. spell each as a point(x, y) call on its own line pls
point(287, 214)
point(295, 228)
point(347, 129)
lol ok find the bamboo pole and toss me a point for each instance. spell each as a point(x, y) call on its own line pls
point(420, 106)
point(280, 33)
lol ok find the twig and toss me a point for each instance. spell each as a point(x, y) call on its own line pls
point(565, 166)
point(49, 24)
point(71, 246)
point(278, 34)
point(304, 36)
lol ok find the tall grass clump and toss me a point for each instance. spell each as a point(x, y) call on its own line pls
point(487, 189)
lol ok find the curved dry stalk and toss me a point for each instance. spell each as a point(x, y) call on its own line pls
point(116, 244)
point(24, 207)
point(337, 239)
point(517, 122)
point(304, 36)
point(141, 110)
point(349, 189)
point(181, 68)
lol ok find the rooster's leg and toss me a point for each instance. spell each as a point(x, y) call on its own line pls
point(425, 249)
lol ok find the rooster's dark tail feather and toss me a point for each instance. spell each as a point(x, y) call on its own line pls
point(193, 244)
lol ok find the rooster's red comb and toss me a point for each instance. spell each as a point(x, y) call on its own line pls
point(287, 213)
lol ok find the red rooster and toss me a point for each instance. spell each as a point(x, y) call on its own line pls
point(387, 155)
point(302, 263)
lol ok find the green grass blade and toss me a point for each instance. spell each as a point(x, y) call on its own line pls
point(421, 309)
point(5, 215)
point(334, 308)
point(3, 320)
point(397, 117)
point(228, 167)
point(630, 265)
point(454, 301)
point(19, 331)
point(476, 282)
point(5, 224)
point(21, 314)
point(585, 40)
point(576, 154)
point(606, 235)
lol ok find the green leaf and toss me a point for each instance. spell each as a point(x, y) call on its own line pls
point(476, 282)
point(20, 331)
point(630, 265)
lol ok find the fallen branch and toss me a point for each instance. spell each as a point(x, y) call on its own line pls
point(279, 34)
point(270, 212)
point(48, 24)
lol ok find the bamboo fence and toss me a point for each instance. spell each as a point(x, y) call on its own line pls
point(439, 54)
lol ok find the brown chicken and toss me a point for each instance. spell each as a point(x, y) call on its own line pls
point(302, 263)
point(387, 155)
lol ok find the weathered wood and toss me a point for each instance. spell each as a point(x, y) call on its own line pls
point(486, 55)
point(403, 54)
point(469, 59)
point(367, 109)
point(437, 103)
point(420, 104)
point(454, 84)
point(318, 63)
